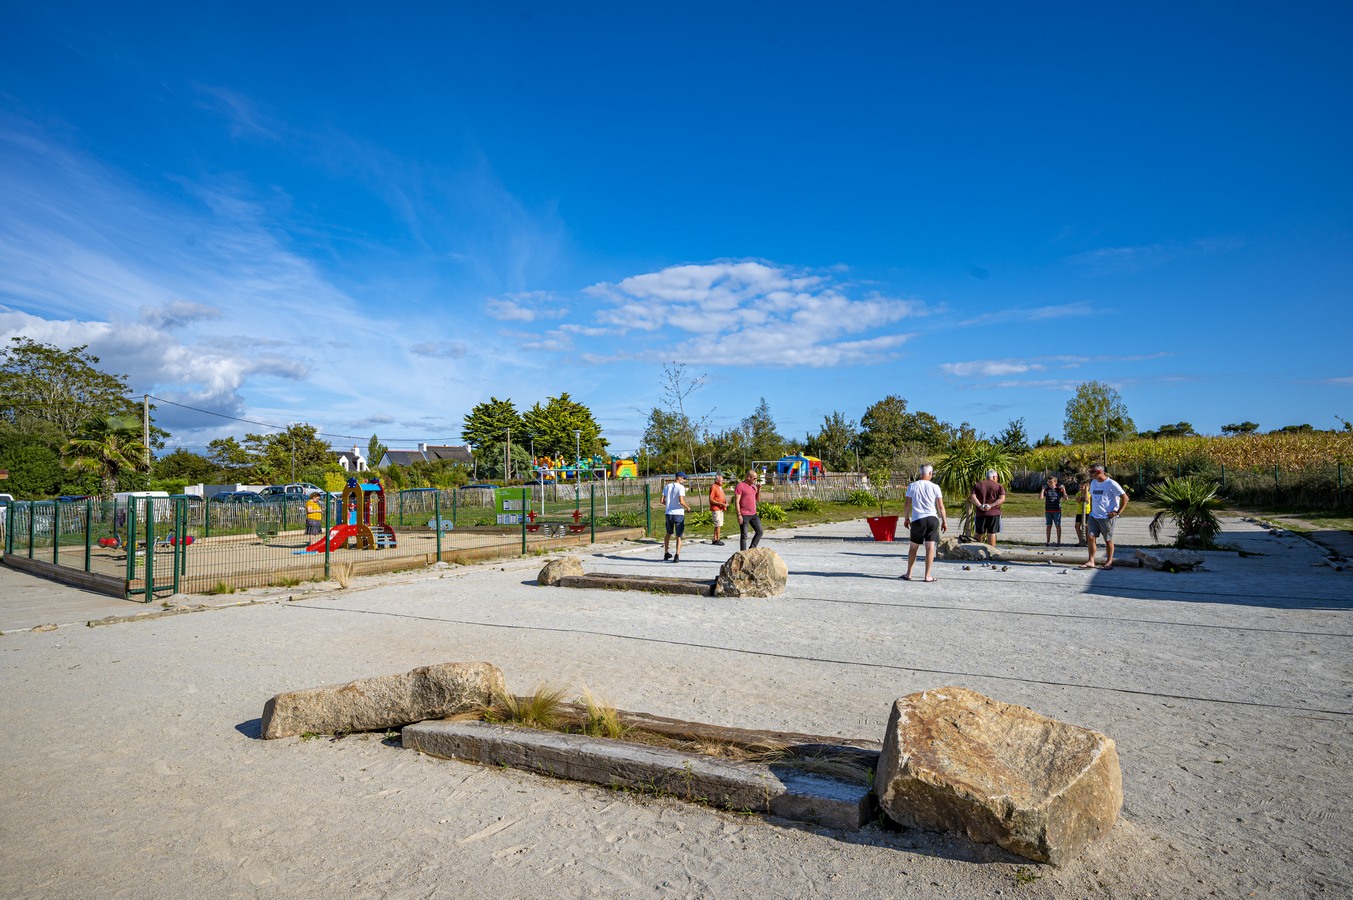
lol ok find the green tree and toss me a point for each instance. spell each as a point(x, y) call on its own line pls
point(374, 451)
point(33, 459)
point(1294, 429)
point(1240, 428)
point(229, 455)
point(666, 438)
point(43, 383)
point(297, 453)
point(1179, 429)
point(835, 442)
point(107, 447)
point(551, 428)
point(883, 428)
point(764, 440)
point(1015, 439)
point(486, 427)
point(1048, 440)
point(1097, 413)
point(184, 466)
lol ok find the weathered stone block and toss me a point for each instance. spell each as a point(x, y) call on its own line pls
point(1164, 559)
point(953, 548)
point(559, 568)
point(386, 701)
point(955, 760)
point(757, 572)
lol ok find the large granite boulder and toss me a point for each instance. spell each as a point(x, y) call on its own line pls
point(757, 572)
point(386, 701)
point(955, 760)
point(559, 568)
point(953, 548)
point(1165, 559)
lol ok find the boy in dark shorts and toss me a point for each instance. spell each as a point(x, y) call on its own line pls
point(1052, 495)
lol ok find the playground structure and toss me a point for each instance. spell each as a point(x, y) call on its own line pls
point(797, 467)
point(560, 469)
point(624, 468)
point(365, 507)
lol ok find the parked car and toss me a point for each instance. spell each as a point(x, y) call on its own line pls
point(295, 491)
point(236, 497)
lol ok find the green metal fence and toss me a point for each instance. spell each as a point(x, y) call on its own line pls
point(156, 546)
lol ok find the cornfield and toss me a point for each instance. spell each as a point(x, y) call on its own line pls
point(1281, 470)
point(1254, 451)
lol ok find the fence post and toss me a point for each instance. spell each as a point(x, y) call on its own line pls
point(31, 517)
point(592, 519)
point(648, 511)
point(1275, 478)
point(56, 533)
point(1340, 500)
point(150, 549)
point(206, 517)
point(525, 504)
point(328, 521)
point(130, 546)
point(455, 511)
point(436, 518)
point(177, 557)
point(1223, 476)
point(9, 527)
point(89, 529)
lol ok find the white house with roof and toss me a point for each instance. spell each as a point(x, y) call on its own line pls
point(351, 460)
point(427, 453)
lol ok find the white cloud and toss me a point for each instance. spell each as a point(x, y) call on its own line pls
point(748, 313)
point(989, 367)
point(509, 311)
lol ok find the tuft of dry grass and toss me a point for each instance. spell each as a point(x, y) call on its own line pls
point(542, 708)
point(343, 574)
point(603, 720)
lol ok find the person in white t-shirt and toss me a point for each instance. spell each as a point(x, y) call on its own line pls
point(674, 509)
point(1107, 502)
point(926, 518)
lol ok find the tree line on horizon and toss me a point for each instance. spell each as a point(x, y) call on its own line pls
point(67, 426)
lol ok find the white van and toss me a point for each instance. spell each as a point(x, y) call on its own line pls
point(163, 511)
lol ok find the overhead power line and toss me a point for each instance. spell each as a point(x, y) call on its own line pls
point(349, 437)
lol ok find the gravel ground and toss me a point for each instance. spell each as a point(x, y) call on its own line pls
point(130, 763)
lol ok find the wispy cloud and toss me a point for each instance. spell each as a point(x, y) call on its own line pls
point(177, 313)
point(440, 349)
point(1028, 314)
point(1146, 256)
point(995, 368)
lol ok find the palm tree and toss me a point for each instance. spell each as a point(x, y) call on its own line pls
point(967, 463)
point(1190, 501)
point(107, 447)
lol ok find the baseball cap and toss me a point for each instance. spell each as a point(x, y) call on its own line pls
point(681, 474)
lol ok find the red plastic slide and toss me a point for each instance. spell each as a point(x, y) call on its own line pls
point(338, 536)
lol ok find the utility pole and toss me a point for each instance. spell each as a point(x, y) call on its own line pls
point(507, 455)
point(145, 426)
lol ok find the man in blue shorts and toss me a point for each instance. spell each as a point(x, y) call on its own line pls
point(926, 518)
point(674, 507)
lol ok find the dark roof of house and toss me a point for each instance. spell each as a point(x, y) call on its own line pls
point(452, 454)
point(433, 454)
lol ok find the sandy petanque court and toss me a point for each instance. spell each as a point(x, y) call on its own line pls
point(131, 763)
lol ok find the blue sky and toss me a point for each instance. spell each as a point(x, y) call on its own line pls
point(371, 219)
